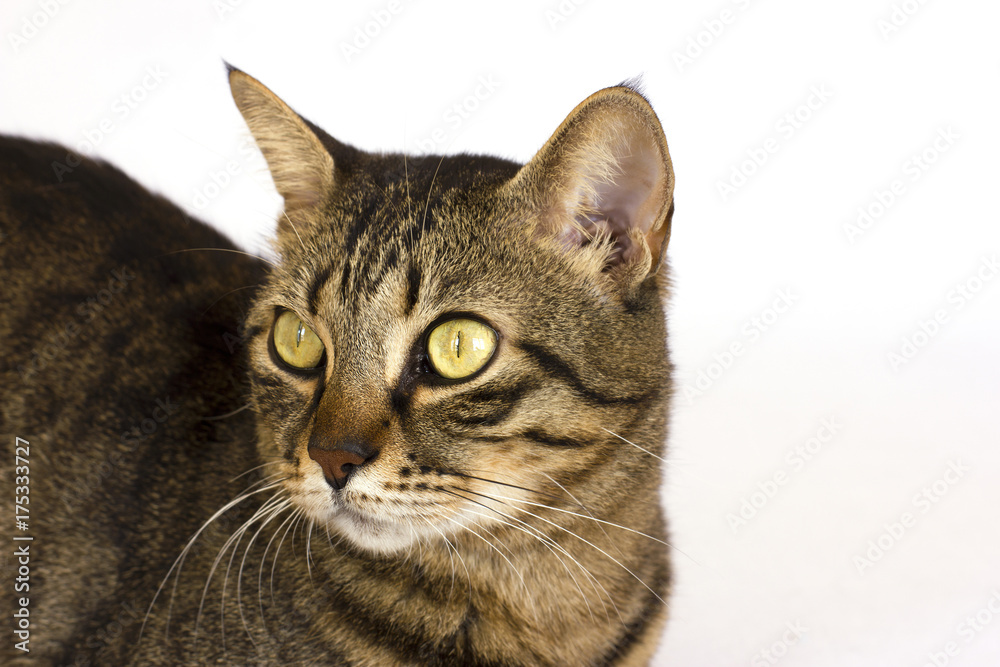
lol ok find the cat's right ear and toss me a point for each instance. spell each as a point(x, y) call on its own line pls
point(300, 165)
point(602, 187)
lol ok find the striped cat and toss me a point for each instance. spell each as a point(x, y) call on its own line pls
point(429, 432)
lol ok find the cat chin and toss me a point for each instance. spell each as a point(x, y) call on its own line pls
point(378, 536)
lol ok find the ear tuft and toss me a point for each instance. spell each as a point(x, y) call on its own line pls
point(300, 165)
point(605, 179)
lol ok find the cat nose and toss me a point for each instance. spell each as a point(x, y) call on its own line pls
point(342, 461)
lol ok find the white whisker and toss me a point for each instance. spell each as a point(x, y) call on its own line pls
point(229, 414)
point(635, 445)
point(292, 520)
point(179, 561)
point(274, 512)
point(238, 252)
point(292, 225)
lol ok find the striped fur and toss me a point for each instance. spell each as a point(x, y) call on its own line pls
point(512, 518)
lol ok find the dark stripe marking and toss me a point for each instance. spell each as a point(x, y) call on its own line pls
point(559, 368)
point(266, 380)
point(634, 631)
point(251, 332)
point(489, 405)
point(412, 288)
point(552, 440)
point(411, 644)
point(317, 285)
point(344, 278)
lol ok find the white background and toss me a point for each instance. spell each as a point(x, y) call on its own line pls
point(887, 92)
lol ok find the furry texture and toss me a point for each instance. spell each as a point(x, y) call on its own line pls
point(509, 518)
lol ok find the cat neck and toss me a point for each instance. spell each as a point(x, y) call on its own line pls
point(575, 590)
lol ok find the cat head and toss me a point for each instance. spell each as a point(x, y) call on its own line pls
point(446, 340)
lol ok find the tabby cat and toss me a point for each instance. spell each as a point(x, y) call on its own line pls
point(429, 432)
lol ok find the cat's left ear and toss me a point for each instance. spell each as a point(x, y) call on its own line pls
point(604, 180)
point(301, 166)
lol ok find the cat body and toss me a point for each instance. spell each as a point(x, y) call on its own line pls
point(427, 433)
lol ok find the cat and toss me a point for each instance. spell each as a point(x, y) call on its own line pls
point(428, 432)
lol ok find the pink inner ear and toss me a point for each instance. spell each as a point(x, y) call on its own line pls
point(631, 201)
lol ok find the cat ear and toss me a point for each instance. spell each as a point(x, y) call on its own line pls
point(300, 165)
point(604, 181)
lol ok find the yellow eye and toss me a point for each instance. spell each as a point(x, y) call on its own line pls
point(458, 348)
point(297, 344)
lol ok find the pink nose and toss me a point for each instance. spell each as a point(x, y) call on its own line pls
point(337, 464)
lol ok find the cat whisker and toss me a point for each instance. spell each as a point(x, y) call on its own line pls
point(452, 548)
point(588, 517)
point(672, 462)
point(228, 414)
point(263, 511)
point(238, 252)
point(308, 542)
point(233, 541)
point(263, 559)
point(275, 512)
point(178, 563)
point(641, 449)
point(409, 207)
point(452, 551)
point(430, 190)
point(549, 543)
point(597, 548)
point(292, 225)
point(494, 547)
point(583, 507)
point(269, 463)
point(232, 291)
point(585, 541)
point(292, 520)
point(609, 523)
point(535, 492)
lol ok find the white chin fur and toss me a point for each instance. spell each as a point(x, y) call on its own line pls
point(375, 535)
point(382, 534)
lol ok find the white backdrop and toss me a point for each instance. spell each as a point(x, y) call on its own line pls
point(833, 485)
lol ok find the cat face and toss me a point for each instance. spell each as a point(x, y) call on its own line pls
point(448, 344)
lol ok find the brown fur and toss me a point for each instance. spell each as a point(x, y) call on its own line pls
point(507, 519)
